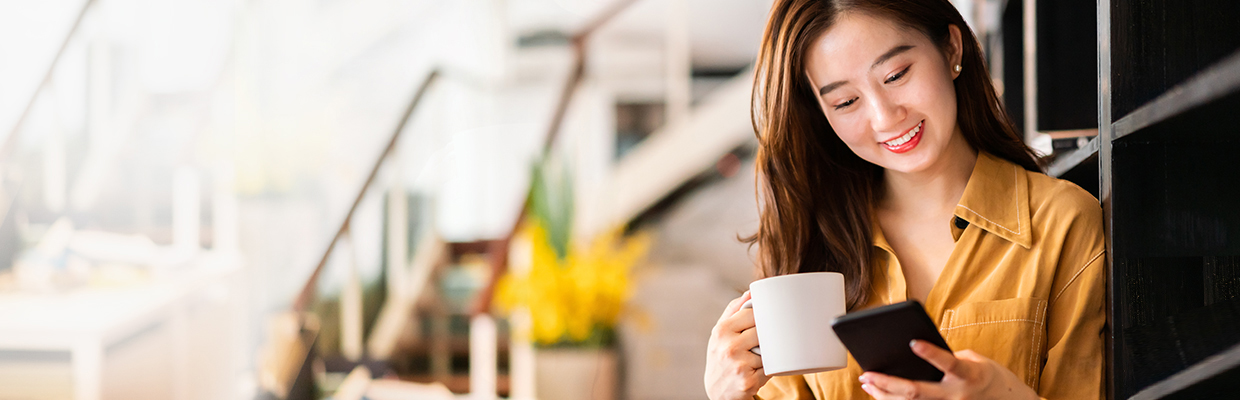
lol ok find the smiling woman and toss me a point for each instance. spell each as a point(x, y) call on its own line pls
point(885, 155)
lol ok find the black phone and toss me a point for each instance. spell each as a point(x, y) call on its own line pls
point(879, 339)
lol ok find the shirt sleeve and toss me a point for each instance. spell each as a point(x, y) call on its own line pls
point(785, 388)
point(1077, 317)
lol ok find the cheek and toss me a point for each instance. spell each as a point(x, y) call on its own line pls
point(927, 94)
point(948, 89)
point(940, 96)
point(849, 128)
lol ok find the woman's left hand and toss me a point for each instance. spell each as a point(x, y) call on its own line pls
point(966, 375)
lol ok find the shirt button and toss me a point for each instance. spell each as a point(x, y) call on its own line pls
point(961, 223)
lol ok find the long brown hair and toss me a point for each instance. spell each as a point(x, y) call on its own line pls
point(816, 196)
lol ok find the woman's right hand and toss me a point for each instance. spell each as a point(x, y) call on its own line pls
point(732, 371)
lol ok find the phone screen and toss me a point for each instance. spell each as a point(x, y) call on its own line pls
point(879, 340)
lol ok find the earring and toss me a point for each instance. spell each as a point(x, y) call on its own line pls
point(957, 68)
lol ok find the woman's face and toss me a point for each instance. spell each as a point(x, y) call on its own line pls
point(887, 91)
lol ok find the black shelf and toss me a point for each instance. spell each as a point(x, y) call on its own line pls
point(1179, 312)
point(1206, 379)
point(1218, 81)
point(1174, 186)
point(1169, 103)
point(1076, 159)
point(1067, 85)
point(1175, 262)
point(1079, 166)
point(1158, 44)
point(1065, 88)
point(1013, 40)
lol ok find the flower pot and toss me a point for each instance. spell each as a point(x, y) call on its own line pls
point(575, 374)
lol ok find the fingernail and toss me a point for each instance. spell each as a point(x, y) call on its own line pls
point(912, 343)
point(864, 379)
point(865, 387)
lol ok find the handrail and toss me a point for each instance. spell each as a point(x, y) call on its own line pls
point(499, 248)
point(7, 145)
point(603, 18)
point(499, 259)
point(308, 291)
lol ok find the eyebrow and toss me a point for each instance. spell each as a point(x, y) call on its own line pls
point(895, 51)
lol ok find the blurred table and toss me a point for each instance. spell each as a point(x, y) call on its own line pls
point(84, 322)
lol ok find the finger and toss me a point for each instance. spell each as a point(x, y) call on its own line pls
point(971, 356)
point(739, 322)
point(734, 306)
point(877, 393)
point(938, 357)
point(756, 381)
point(884, 383)
point(744, 342)
point(748, 338)
point(761, 376)
point(902, 388)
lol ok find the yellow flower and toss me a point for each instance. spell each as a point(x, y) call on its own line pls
point(574, 299)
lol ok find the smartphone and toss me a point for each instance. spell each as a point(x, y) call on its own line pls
point(878, 339)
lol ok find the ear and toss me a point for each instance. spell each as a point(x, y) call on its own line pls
point(955, 50)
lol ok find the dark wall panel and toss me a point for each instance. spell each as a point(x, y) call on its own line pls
point(1067, 60)
point(1156, 44)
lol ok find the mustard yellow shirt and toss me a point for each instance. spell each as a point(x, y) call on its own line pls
point(1023, 286)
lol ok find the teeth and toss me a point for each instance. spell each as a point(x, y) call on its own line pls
point(904, 139)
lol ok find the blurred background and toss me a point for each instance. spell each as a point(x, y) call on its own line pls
point(239, 199)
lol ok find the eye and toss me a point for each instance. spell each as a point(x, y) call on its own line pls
point(897, 75)
point(846, 103)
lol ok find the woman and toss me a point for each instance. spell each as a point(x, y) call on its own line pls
point(885, 155)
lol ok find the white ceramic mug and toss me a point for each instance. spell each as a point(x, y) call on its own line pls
point(793, 314)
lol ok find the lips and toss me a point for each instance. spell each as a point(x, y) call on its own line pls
point(906, 141)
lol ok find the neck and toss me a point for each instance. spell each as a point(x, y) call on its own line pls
point(936, 189)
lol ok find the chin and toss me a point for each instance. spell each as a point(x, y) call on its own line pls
point(909, 163)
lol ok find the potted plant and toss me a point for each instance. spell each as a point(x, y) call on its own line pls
point(573, 294)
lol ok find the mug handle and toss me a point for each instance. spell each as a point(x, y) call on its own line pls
point(756, 349)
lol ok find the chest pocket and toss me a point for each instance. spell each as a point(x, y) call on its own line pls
point(1012, 332)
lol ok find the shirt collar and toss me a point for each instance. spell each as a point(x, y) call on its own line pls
point(996, 199)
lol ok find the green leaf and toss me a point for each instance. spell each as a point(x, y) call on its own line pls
point(551, 201)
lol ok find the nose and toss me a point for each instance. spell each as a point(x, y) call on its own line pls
point(887, 114)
